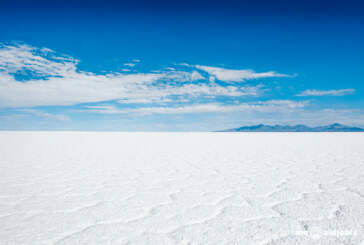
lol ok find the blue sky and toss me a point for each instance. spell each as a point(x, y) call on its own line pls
point(180, 65)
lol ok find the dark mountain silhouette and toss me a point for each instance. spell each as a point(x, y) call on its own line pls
point(336, 127)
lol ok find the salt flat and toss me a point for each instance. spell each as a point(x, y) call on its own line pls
point(181, 188)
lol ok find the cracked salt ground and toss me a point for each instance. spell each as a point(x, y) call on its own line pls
point(181, 188)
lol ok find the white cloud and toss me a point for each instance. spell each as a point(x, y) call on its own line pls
point(269, 106)
point(46, 50)
point(51, 79)
point(56, 80)
point(71, 89)
point(129, 64)
point(145, 100)
point(229, 75)
point(46, 115)
point(183, 76)
point(26, 58)
point(260, 106)
point(188, 91)
point(339, 92)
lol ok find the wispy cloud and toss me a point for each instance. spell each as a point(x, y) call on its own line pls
point(54, 79)
point(229, 75)
point(260, 106)
point(338, 92)
point(46, 115)
point(20, 58)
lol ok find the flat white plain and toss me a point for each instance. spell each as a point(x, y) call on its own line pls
point(181, 188)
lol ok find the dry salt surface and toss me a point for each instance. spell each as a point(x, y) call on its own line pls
point(181, 188)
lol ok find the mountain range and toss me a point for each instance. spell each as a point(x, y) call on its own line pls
point(336, 127)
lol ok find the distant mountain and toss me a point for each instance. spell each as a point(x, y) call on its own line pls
point(336, 127)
